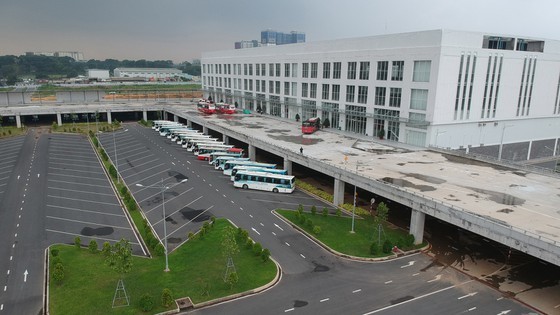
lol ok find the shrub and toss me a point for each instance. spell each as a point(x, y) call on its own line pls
point(56, 260)
point(77, 242)
point(202, 232)
point(146, 302)
point(265, 255)
point(113, 171)
point(313, 210)
point(257, 248)
point(54, 252)
point(243, 235)
point(309, 223)
point(103, 155)
point(95, 142)
point(338, 212)
point(124, 191)
point(106, 249)
point(302, 218)
point(64, 130)
point(232, 279)
point(317, 230)
point(212, 220)
point(58, 275)
point(166, 298)
point(325, 212)
point(300, 208)
point(159, 250)
point(206, 226)
point(249, 243)
point(387, 246)
point(92, 246)
point(373, 248)
point(190, 235)
point(409, 241)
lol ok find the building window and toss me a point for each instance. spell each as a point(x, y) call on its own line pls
point(350, 92)
point(244, 69)
point(335, 92)
point(313, 90)
point(229, 69)
point(245, 84)
point(270, 69)
point(326, 70)
point(250, 85)
point(304, 89)
point(352, 70)
point(380, 95)
point(364, 70)
point(337, 66)
point(421, 71)
point(418, 99)
point(263, 86)
point(356, 119)
point(395, 97)
point(294, 88)
point(277, 85)
point(418, 120)
point(294, 70)
point(305, 72)
point(382, 69)
point(278, 70)
point(325, 92)
point(258, 69)
point(258, 84)
point(397, 71)
point(287, 70)
point(250, 69)
point(271, 87)
point(362, 94)
point(263, 69)
point(314, 67)
point(287, 88)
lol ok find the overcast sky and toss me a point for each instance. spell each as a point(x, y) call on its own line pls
point(180, 30)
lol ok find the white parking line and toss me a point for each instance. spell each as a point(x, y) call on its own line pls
point(80, 235)
point(81, 191)
point(287, 243)
point(86, 222)
point(83, 200)
point(82, 210)
point(288, 310)
point(356, 291)
point(324, 300)
point(302, 256)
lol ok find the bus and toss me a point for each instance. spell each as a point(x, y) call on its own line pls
point(174, 131)
point(157, 124)
point(220, 161)
point(206, 107)
point(224, 108)
point(166, 130)
point(203, 151)
point(184, 139)
point(176, 136)
point(265, 181)
point(192, 142)
point(229, 165)
point(243, 168)
point(231, 153)
point(198, 144)
point(310, 125)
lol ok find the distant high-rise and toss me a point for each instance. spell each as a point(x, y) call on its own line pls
point(76, 55)
point(270, 37)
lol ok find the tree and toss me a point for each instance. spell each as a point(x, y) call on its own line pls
point(232, 279)
point(92, 246)
point(382, 213)
point(120, 257)
point(265, 255)
point(146, 302)
point(58, 273)
point(77, 242)
point(297, 117)
point(229, 243)
point(326, 123)
point(166, 298)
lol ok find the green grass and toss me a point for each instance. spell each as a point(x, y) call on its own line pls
point(335, 232)
point(48, 89)
point(89, 285)
point(12, 131)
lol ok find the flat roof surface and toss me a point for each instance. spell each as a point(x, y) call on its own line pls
point(518, 198)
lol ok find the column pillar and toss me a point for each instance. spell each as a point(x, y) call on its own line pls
point(145, 115)
point(225, 139)
point(175, 118)
point(252, 152)
point(529, 151)
point(18, 120)
point(165, 115)
point(205, 130)
point(288, 165)
point(59, 119)
point(338, 193)
point(189, 123)
point(417, 220)
point(109, 119)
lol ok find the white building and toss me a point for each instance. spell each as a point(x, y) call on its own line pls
point(149, 73)
point(98, 74)
point(441, 88)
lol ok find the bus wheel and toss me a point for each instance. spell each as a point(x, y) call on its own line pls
point(245, 186)
point(274, 190)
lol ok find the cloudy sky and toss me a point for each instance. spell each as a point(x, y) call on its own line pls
point(180, 30)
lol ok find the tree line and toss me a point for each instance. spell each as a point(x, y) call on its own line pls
point(14, 68)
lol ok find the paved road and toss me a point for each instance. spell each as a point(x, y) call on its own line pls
point(313, 280)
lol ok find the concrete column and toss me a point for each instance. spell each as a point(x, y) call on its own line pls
point(529, 151)
point(189, 123)
point(288, 165)
point(165, 117)
point(225, 139)
point(109, 119)
point(175, 118)
point(417, 220)
point(18, 121)
point(59, 119)
point(252, 152)
point(283, 110)
point(205, 130)
point(145, 115)
point(338, 194)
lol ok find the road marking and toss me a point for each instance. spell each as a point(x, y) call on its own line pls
point(11, 257)
point(276, 225)
point(356, 291)
point(216, 189)
point(410, 263)
point(261, 224)
point(472, 309)
point(14, 245)
point(223, 195)
point(38, 175)
point(241, 208)
point(25, 275)
point(5, 288)
point(501, 298)
point(415, 274)
point(302, 256)
point(188, 162)
point(15, 235)
point(173, 163)
point(455, 248)
point(1, 307)
point(288, 310)
point(387, 282)
point(507, 311)
point(273, 233)
point(255, 231)
point(468, 295)
point(8, 272)
point(251, 215)
point(436, 278)
point(232, 201)
point(287, 243)
point(324, 300)
point(18, 177)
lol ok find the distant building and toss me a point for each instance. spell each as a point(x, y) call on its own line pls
point(148, 73)
point(98, 74)
point(247, 44)
point(270, 37)
point(76, 55)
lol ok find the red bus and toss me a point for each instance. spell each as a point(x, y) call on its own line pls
point(310, 125)
point(224, 108)
point(206, 107)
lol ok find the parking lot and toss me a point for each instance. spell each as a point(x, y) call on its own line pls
point(80, 200)
point(8, 159)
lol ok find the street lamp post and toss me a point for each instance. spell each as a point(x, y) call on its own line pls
point(116, 156)
point(502, 141)
point(354, 207)
point(163, 189)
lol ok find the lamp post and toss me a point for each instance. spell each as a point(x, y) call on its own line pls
point(502, 141)
point(116, 156)
point(163, 189)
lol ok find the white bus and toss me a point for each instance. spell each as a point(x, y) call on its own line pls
point(166, 130)
point(209, 148)
point(174, 131)
point(192, 142)
point(157, 124)
point(265, 181)
point(221, 160)
point(228, 166)
point(245, 168)
point(184, 139)
point(237, 153)
point(187, 131)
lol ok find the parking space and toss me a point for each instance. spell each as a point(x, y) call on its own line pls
point(8, 159)
point(153, 164)
point(80, 200)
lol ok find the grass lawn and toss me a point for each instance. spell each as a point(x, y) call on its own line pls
point(89, 285)
point(12, 131)
point(335, 232)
